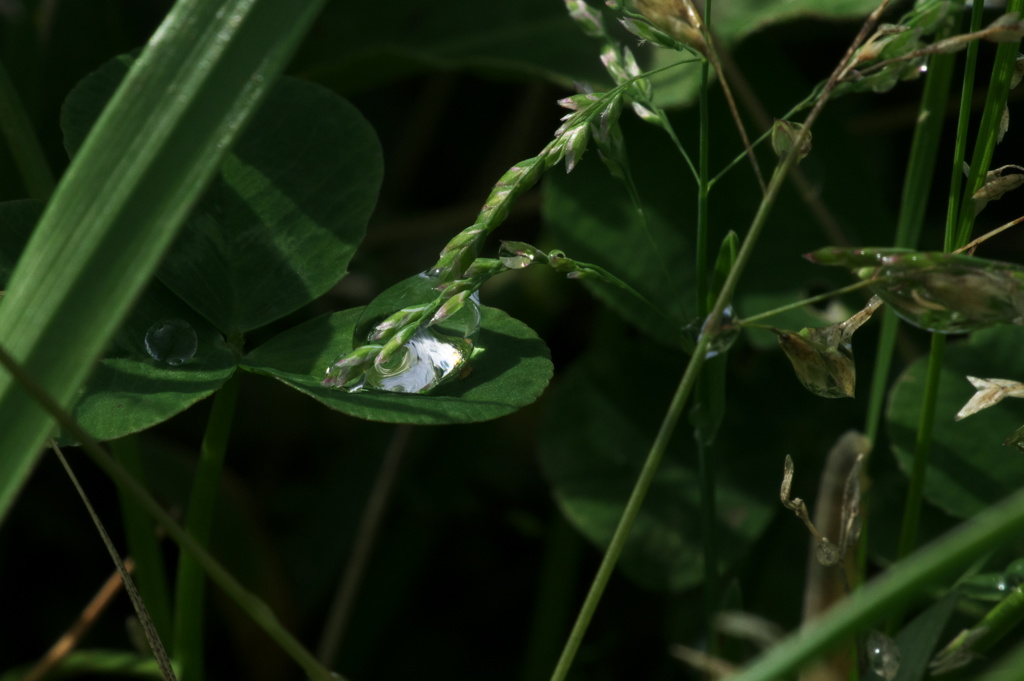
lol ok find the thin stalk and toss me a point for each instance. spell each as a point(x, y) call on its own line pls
point(22, 140)
point(705, 453)
point(352, 578)
point(959, 222)
point(894, 588)
point(963, 122)
point(143, 542)
point(922, 449)
point(917, 184)
point(152, 637)
point(988, 130)
point(251, 604)
point(190, 592)
point(808, 301)
point(693, 368)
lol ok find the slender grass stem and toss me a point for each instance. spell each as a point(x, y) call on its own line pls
point(895, 588)
point(705, 453)
point(251, 604)
point(352, 577)
point(190, 594)
point(693, 368)
point(143, 542)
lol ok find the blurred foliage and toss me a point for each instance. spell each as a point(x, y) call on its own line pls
point(457, 579)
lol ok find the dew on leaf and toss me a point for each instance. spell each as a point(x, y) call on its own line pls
point(883, 655)
point(171, 341)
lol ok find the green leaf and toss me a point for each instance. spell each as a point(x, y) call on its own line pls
point(131, 390)
point(918, 639)
point(511, 370)
point(124, 196)
point(969, 468)
point(593, 466)
point(283, 217)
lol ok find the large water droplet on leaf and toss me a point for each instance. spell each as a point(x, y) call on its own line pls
point(883, 655)
point(172, 341)
point(424, 362)
point(401, 347)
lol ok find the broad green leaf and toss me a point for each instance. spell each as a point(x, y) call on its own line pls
point(593, 466)
point(509, 371)
point(969, 467)
point(593, 220)
point(128, 190)
point(283, 217)
point(917, 641)
point(131, 389)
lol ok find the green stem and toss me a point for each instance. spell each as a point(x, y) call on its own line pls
point(22, 141)
point(988, 129)
point(369, 526)
point(807, 301)
point(963, 123)
point(705, 453)
point(693, 368)
point(251, 604)
point(895, 588)
point(143, 542)
point(152, 637)
point(190, 593)
point(922, 448)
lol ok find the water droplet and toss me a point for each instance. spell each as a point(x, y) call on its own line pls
point(424, 362)
point(726, 335)
point(172, 341)
point(516, 255)
point(883, 655)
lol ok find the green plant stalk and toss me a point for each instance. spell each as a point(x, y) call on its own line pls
point(705, 452)
point(693, 368)
point(251, 604)
point(924, 150)
point(143, 542)
point(956, 236)
point(369, 527)
point(963, 122)
point(668, 424)
point(895, 588)
point(988, 130)
point(28, 155)
point(124, 196)
point(190, 590)
point(152, 637)
point(922, 448)
point(993, 627)
point(99, 663)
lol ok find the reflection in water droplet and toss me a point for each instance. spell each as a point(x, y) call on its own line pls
point(435, 353)
point(725, 336)
point(172, 341)
point(424, 362)
point(883, 655)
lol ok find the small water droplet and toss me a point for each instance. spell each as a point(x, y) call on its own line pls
point(883, 655)
point(171, 341)
point(725, 336)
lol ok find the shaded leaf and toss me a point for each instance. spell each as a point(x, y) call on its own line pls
point(510, 371)
point(969, 468)
point(593, 467)
point(283, 217)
